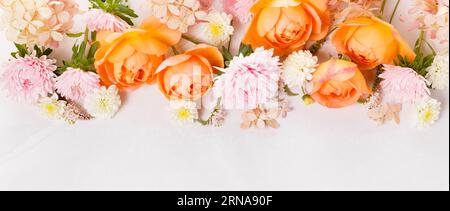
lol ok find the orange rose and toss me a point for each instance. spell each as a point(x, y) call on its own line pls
point(369, 42)
point(130, 59)
point(338, 83)
point(189, 76)
point(287, 25)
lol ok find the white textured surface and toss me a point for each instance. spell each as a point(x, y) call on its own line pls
point(315, 149)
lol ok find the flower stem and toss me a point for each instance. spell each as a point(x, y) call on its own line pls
point(190, 39)
point(383, 6)
point(231, 39)
point(430, 46)
point(395, 11)
point(211, 116)
point(175, 51)
point(419, 42)
point(319, 44)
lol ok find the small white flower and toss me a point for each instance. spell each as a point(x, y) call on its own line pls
point(52, 107)
point(103, 103)
point(427, 112)
point(216, 31)
point(184, 112)
point(438, 72)
point(298, 68)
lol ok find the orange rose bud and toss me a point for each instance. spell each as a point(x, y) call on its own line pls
point(338, 83)
point(129, 59)
point(287, 25)
point(369, 42)
point(189, 76)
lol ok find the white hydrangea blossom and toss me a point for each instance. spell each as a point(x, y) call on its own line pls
point(177, 14)
point(438, 24)
point(42, 22)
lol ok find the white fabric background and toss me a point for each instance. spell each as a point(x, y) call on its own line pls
point(142, 149)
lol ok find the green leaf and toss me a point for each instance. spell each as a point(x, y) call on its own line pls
point(117, 8)
point(93, 49)
point(289, 92)
point(82, 55)
point(22, 49)
point(75, 35)
point(126, 19)
point(47, 51)
point(420, 64)
point(227, 56)
point(127, 11)
point(317, 46)
point(245, 50)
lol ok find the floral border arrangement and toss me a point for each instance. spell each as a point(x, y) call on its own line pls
point(372, 64)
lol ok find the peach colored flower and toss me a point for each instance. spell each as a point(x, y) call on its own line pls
point(369, 42)
point(338, 83)
point(189, 76)
point(130, 59)
point(287, 25)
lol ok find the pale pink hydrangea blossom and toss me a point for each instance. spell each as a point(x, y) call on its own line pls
point(99, 20)
point(347, 9)
point(74, 84)
point(42, 22)
point(249, 81)
point(240, 9)
point(27, 79)
point(403, 85)
point(432, 16)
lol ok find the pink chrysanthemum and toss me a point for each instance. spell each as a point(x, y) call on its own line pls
point(403, 85)
point(26, 79)
point(249, 81)
point(240, 9)
point(74, 84)
point(98, 20)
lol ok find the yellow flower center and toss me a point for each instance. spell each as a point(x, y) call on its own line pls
point(50, 109)
point(103, 104)
point(216, 29)
point(428, 116)
point(183, 114)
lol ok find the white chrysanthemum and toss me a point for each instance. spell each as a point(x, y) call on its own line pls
point(42, 22)
point(52, 107)
point(103, 103)
point(216, 31)
point(427, 112)
point(177, 14)
point(184, 112)
point(438, 72)
point(298, 68)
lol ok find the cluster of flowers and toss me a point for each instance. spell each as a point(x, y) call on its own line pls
point(277, 58)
